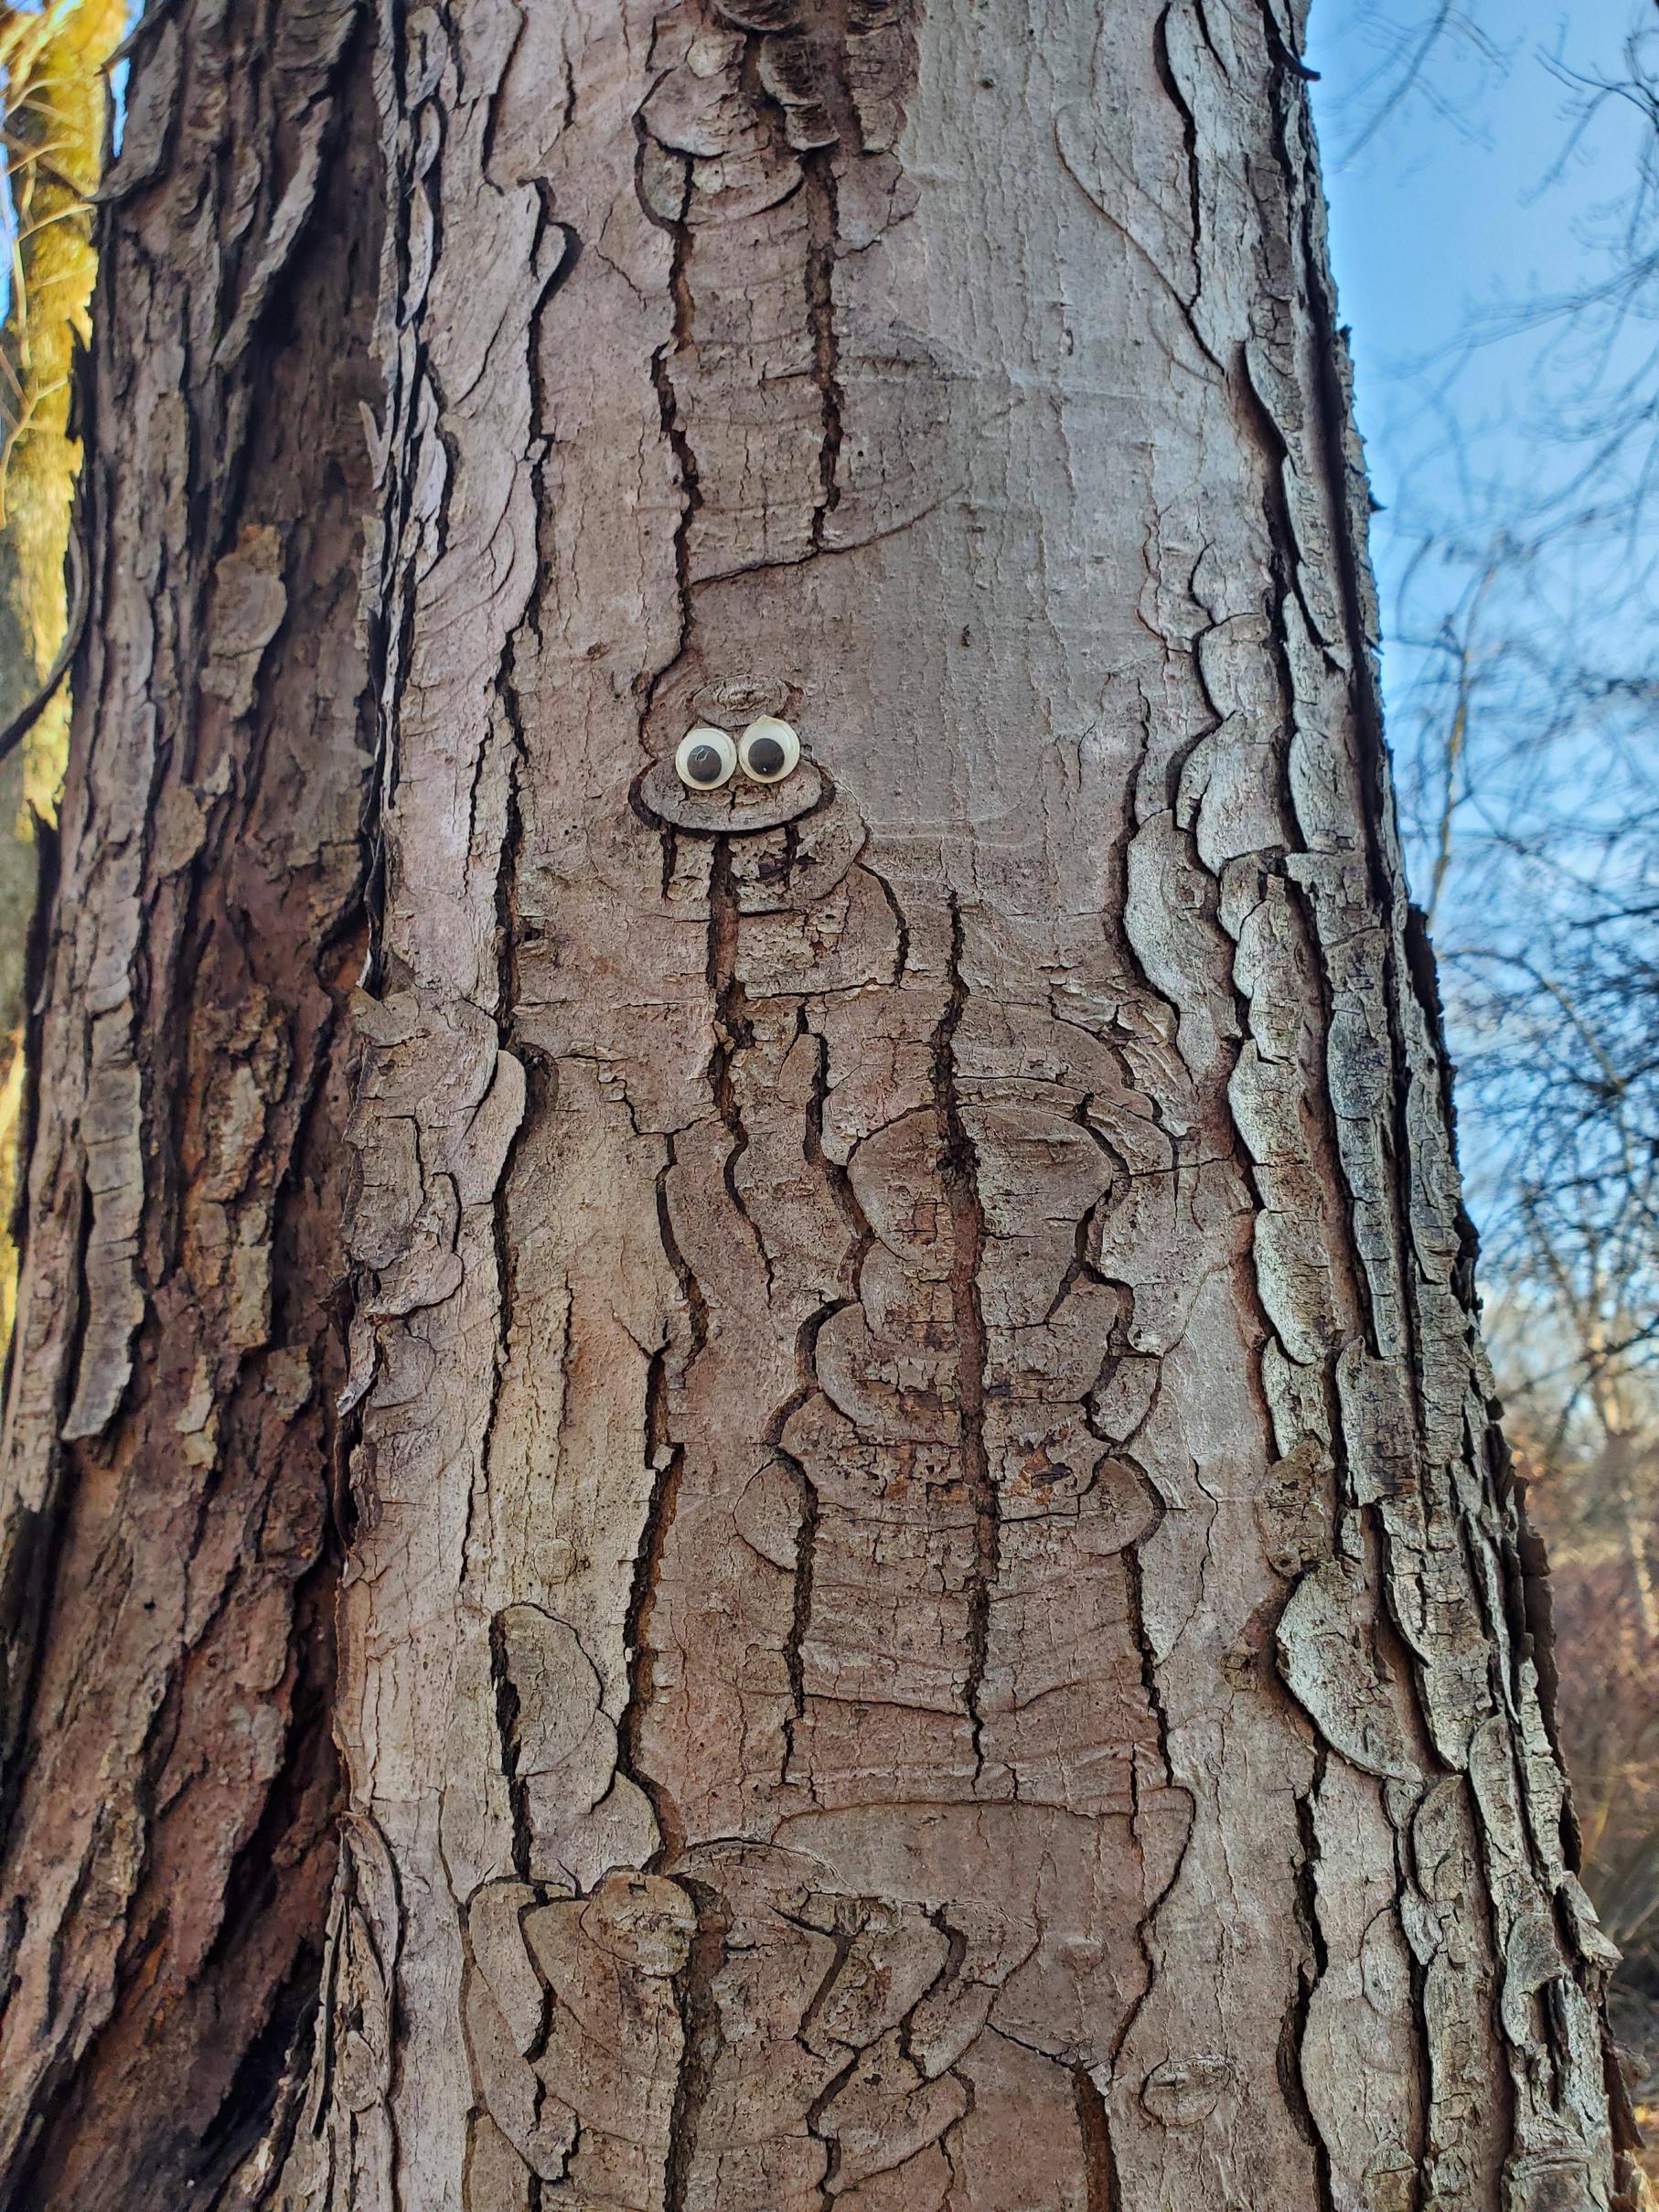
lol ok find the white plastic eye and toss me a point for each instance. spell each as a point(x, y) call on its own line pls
point(768, 750)
point(705, 758)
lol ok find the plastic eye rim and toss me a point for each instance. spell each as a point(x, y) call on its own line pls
point(705, 733)
point(768, 725)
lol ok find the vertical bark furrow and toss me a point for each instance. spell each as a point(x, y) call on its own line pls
point(817, 181)
point(959, 1175)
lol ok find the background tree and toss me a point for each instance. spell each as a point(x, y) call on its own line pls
point(54, 104)
point(929, 1610)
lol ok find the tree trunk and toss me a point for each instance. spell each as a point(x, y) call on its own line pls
point(932, 1614)
point(167, 1597)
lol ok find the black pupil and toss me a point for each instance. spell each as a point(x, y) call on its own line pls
point(766, 756)
point(705, 764)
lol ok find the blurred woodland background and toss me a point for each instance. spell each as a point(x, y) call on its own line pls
point(54, 64)
point(1494, 174)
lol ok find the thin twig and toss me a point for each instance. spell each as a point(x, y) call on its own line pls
point(14, 732)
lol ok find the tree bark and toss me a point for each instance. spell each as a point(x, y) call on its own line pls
point(932, 1614)
point(167, 1780)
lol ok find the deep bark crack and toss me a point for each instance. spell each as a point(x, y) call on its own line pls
point(817, 173)
point(1099, 2164)
point(958, 1172)
point(701, 2039)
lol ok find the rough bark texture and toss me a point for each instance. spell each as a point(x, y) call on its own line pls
point(168, 1777)
point(935, 1617)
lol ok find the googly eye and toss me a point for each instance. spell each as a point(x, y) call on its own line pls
point(768, 750)
point(705, 758)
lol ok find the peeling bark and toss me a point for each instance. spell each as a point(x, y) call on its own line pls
point(934, 1616)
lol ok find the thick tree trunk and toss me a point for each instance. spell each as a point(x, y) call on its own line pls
point(168, 1780)
point(932, 1614)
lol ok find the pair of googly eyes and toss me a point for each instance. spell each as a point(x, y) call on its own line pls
point(766, 752)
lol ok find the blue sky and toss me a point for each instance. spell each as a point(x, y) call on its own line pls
point(1464, 198)
point(1458, 213)
point(1450, 210)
